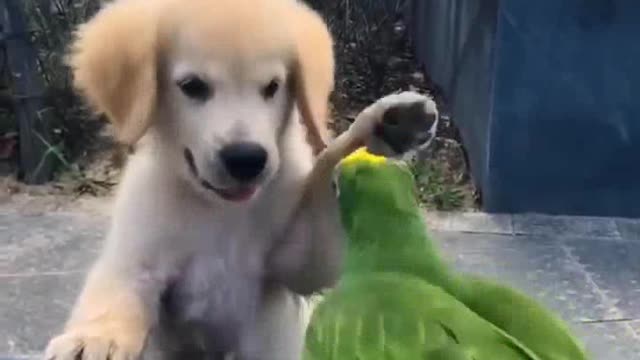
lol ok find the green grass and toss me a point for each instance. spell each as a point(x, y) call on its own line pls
point(436, 190)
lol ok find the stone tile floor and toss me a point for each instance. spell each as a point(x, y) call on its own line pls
point(586, 269)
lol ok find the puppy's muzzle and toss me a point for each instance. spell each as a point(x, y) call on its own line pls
point(244, 161)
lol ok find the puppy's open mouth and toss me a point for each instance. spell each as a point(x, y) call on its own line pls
point(236, 194)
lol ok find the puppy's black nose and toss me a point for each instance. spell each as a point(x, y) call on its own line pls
point(244, 161)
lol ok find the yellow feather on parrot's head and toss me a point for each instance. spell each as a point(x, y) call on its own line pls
point(361, 155)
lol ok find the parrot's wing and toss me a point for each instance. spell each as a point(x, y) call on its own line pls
point(394, 316)
point(535, 326)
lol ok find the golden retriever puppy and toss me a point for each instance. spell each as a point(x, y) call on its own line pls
point(223, 218)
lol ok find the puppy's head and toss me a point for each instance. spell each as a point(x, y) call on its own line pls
point(215, 82)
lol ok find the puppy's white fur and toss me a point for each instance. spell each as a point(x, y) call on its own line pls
point(182, 268)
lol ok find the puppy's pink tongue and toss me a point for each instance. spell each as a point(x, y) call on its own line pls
point(240, 195)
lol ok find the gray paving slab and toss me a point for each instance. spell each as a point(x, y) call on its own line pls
point(609, 341)
point(614, 267)
point(560, 226)
point(473, 222)
point(592, 282)
point(537, 266)
point(50, 243)
point(586, 269)
point(629, 228)
point(32, 309)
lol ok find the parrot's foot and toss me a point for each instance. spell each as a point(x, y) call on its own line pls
point(397, 124)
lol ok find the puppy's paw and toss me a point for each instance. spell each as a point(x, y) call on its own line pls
point(397, 123)
point(96, 343)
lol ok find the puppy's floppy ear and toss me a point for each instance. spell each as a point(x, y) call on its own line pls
point(114, 64)
point(314, 74)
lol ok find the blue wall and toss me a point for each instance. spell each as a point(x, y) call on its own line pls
point(545, 94)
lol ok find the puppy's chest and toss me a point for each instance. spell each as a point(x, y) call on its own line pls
point(215, 295)
point(217, 288)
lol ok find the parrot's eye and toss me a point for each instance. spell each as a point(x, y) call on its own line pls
point(334, 185)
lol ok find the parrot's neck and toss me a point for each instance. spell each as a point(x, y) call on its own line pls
point(395, 240)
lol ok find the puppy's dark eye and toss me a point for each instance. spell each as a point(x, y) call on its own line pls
point(195, 88)
point(271, 89)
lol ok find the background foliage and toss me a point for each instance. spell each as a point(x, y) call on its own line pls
point(373, 57)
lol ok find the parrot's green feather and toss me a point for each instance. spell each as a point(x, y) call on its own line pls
point(412, 320)
point(398, 299)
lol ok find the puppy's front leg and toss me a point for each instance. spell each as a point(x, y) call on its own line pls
point(310, 256)
point(110, 320)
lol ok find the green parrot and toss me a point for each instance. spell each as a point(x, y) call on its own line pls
point(397, 299)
